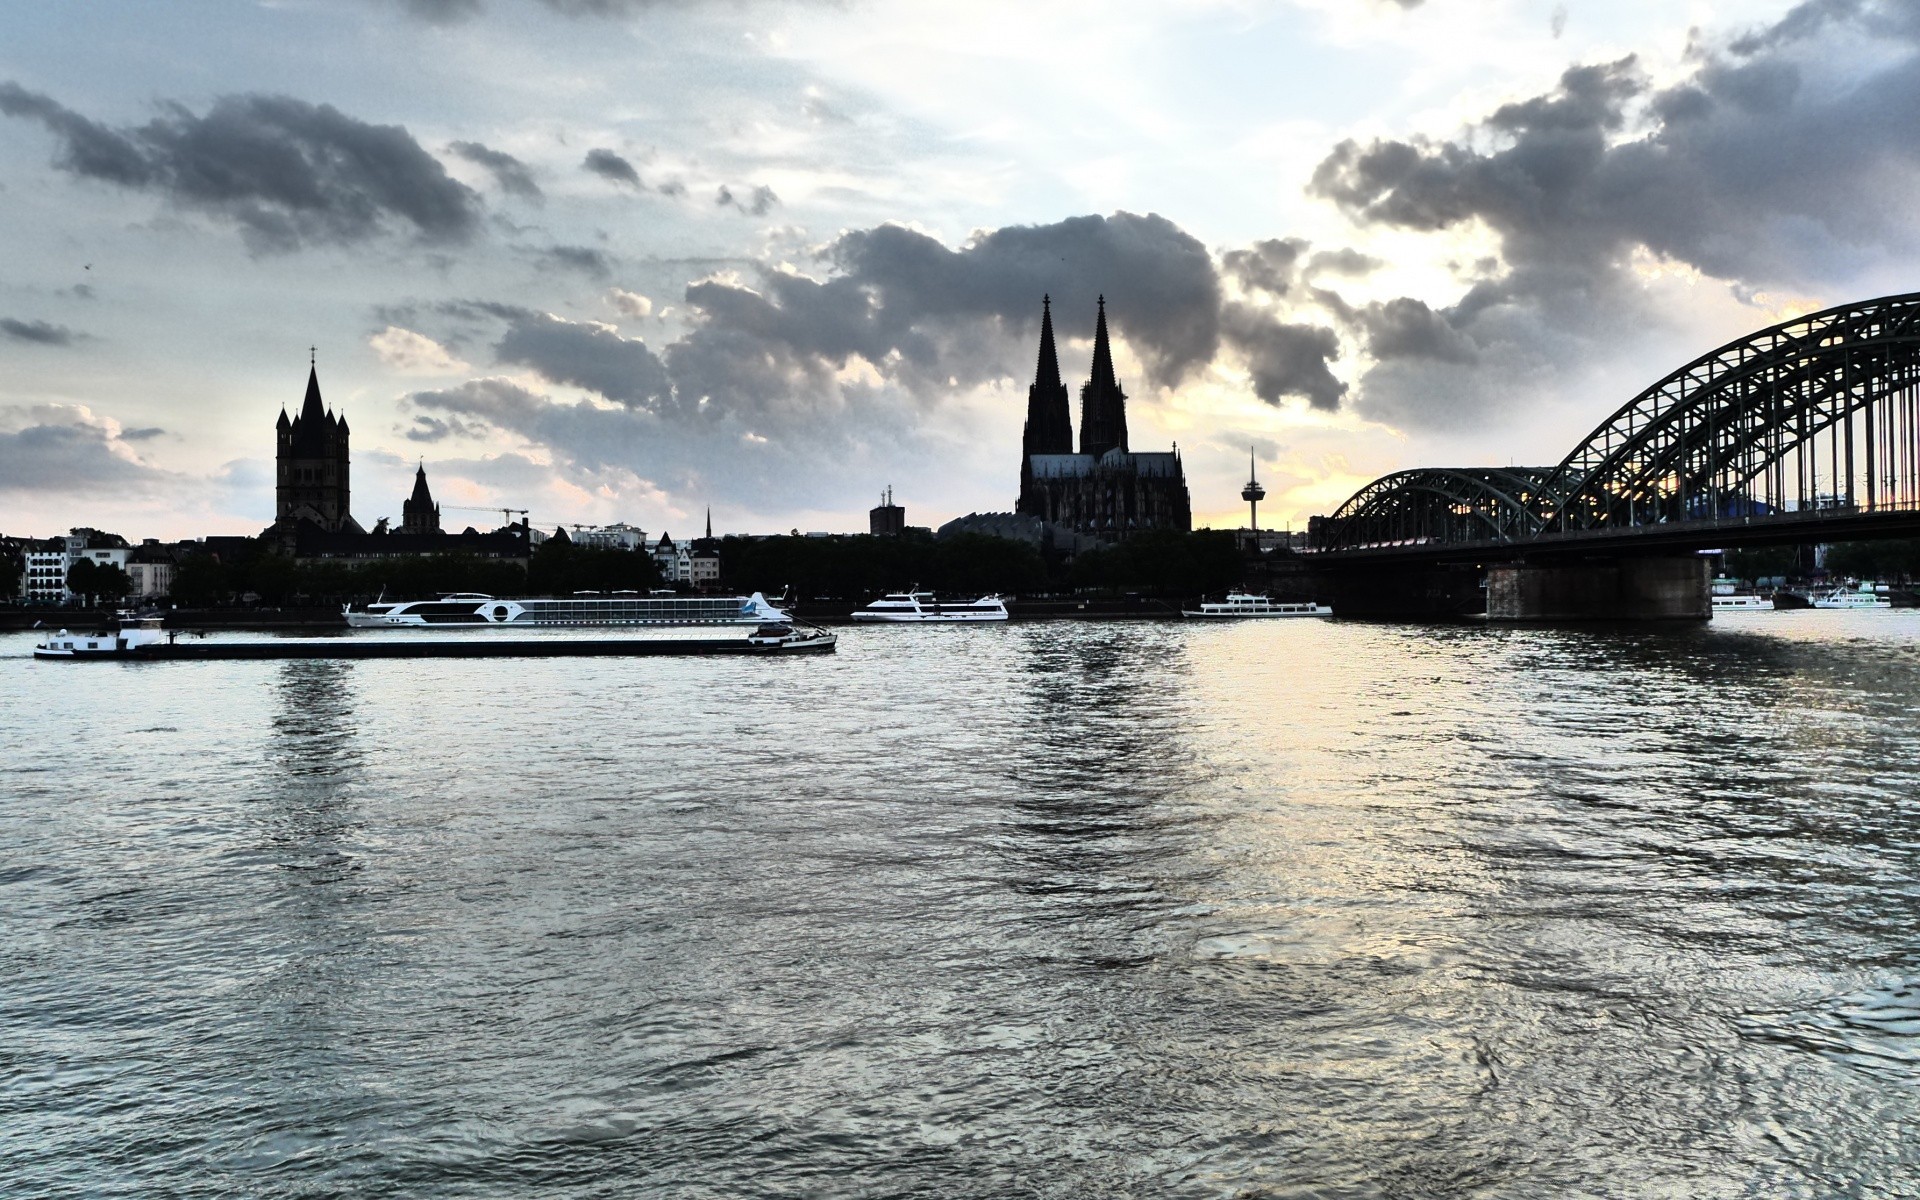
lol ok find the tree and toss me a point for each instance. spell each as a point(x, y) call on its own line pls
point(201, 580)
point(83, 580)
point(111, 582)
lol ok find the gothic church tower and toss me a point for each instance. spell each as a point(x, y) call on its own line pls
point(310, 461)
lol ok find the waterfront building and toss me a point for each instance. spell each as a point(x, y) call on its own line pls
point(45, 579)
point(618, 536)
point(1107, 490)
point(150, 569)
point(675, 561)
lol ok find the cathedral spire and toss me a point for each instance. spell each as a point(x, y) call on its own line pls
point(1049, 424)
point(1103, 406)
point(1103, 353)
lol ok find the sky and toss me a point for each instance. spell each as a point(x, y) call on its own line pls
point(626, 260)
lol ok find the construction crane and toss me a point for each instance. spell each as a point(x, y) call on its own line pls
point(506, 514)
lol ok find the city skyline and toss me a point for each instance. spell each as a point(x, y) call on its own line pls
point(622, 261)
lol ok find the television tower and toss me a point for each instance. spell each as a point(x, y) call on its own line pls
point(1253, 494)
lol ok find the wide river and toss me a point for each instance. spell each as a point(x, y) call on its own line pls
point(1286, 909)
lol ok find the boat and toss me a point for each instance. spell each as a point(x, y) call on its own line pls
point(1863, 596)
point(1247, 604)
point(1729, 596)
point(144, 641)
point(133, 633)
point(915, 607)
point(474, 610)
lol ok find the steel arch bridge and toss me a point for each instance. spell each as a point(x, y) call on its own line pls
point(1813, 422)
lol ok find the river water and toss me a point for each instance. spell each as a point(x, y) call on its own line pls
point(1286, 909)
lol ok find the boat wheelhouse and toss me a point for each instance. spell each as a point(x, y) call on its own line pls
point(1244, 604)
point(472, 610)
point(911, 607)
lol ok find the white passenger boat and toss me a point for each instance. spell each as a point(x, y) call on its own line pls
point(1741, 601)
point(134, 631)
point(911, 607)
point(472, 610)
point(1245, 604)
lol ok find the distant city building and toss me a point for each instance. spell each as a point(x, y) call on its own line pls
point(1107, 490)
point(675, 561)
point(703, 569)
point(150, 569)
point(311, 485)
point(418, 513)
point(618, 536)
point(887, 519)
point(45, 579)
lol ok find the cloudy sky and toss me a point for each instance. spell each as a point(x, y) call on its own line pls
point(625, 259)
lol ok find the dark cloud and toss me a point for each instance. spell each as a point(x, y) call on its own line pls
point(779, 373)
point(595, 264)
point(66, 451)
point(442, 12)
point(757, 203)
point(610, 166)
point(1771, 165)
point(1286, 359)
point(40, 333)
point(1272, 266)
point(1344, 261)
point(285, 172)
point(508, 172)
point(593, 357)
point(1407, 328)
point(142, 435)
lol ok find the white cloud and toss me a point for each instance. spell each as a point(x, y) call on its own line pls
point(408, 353)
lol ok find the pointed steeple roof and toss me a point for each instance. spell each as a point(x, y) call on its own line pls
point(311, 409)
point(1047, 372)
point(1103, 353)
point(420, 493)
point(1103, 406)
point(1049, 428)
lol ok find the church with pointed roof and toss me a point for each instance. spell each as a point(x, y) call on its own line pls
point(311, 484)
point(418, 513)
point(1107, 490)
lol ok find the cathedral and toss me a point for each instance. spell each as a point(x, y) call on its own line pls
point(1107, 490)
point(310, 460)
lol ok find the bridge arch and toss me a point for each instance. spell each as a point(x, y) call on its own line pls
point(1818, 412)
point(1439, 504)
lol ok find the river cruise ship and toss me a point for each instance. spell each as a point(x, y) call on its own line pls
point(472, 610)
point(1243, 604)
point(919, 607)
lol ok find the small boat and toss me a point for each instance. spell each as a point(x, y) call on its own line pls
point(134, 632)
point(784, 637)
point(1741, 602)
point(917, 607)
point(1246, 604)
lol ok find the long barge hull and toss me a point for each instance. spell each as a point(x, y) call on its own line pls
point(489, 648)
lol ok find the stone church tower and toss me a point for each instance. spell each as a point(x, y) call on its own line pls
point(310, 460)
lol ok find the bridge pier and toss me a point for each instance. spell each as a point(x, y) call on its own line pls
point(1677, 588)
